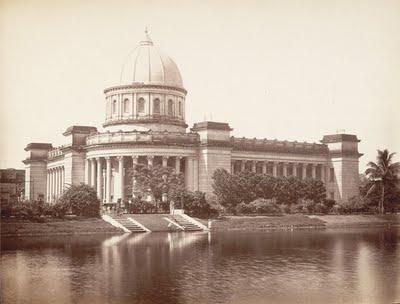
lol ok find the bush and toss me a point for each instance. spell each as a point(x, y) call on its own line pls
point(243, 208)
point(285, 208)
point(306, 206)
point(353, 205)
point(81, 200)
point(195, 204)
point(265, 206)
point(258, 206)
point(245, 187)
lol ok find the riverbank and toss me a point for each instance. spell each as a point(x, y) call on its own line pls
point(361, 220)
point(16, 227)
point(266, 222)
point(285, 222)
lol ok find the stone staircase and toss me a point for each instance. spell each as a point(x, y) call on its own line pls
point(127, 223)
point(188, 226)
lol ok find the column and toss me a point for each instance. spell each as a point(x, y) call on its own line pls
point(51, 184)
point(274, 169)
point(189, 173)
point(178, 164)
point(285, 165)
point(195, 174)
point(61, 180)
point(93, 176)
point(48, 186)
point(108, 179)
point(165, 161)
point(314, 171)
point(242, 165)
point(232, 167)
point(121, 176)
point(99, 179)
point(87, 171)
point(294, 169)
point(304, 171)
point(134, 161)
point(324, 175)
point(57, 188)
point(150, 160)
point(253, 166)
point(264, 167)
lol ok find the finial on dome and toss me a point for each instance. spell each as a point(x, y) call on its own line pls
point(146, 40)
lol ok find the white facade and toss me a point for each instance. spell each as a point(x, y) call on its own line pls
point(145, 122)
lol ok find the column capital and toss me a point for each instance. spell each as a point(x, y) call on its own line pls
point(107, 158)
point(150, 157)
point(120, 157)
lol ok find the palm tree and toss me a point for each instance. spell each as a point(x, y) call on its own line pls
point(382, 174)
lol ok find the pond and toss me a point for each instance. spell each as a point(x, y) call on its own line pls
point(313, 266)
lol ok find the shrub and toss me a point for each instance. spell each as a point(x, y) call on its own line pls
point(265, 206)
point(245, 187)
point(354, 204)
point(243, 208)
point(285, 208)
point(306, 206)
point(195, 204)
point(81, 200)
point(258, 206)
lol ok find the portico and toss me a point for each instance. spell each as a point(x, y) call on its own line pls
point(107, 175)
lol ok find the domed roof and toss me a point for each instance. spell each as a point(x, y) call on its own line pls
point(148, 65)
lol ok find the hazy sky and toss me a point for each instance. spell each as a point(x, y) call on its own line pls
point(293, 70)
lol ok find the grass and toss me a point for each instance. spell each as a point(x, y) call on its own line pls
point(359, 220)
point(16, 227)
point(266, 222)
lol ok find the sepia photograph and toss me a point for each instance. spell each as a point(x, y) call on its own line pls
point(200, 152)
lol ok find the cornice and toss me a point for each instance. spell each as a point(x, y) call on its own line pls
point(138, 145)
point(152, 119)
point(144, 86)
point(338, 154)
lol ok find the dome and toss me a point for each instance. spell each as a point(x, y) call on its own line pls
point(148, 65)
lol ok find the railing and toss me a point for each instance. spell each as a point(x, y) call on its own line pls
point(54, 153)
point(142, 137)
point(275, 145)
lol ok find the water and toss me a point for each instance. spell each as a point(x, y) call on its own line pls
point(331, 266)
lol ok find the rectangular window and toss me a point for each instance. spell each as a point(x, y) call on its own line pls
point(332, 175)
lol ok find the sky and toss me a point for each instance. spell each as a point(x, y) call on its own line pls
point(290, 70)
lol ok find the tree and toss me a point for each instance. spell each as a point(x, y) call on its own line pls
point(383, 176)
point(233, 190)
point(80, 200)
point(155, 181)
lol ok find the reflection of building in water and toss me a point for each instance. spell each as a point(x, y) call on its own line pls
point(145, 123)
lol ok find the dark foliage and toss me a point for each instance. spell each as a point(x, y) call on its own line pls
point(80, 200)
point(246, 187)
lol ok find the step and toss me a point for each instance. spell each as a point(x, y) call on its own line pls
point(128, 224)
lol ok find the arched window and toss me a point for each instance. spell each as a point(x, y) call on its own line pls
point(156, 106)
point(180, 108)
point(126, 105)
point(170, 107)
point(114, 107)
point(141, 103)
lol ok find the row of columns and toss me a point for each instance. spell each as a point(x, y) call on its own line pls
point(55, 183)
point(99, 173)
point(251, 165)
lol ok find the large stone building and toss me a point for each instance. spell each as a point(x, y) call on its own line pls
point(145, 123)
